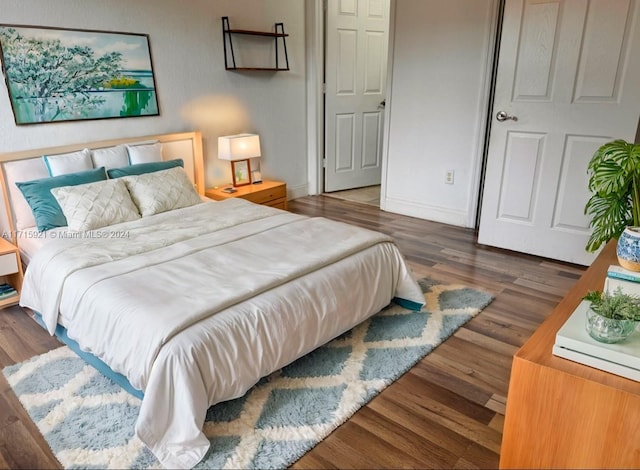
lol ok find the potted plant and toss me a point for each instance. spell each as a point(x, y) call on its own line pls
point(614, 207)
point(612, 317)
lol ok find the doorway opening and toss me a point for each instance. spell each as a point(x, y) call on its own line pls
point(369, 195)
point(355, 52)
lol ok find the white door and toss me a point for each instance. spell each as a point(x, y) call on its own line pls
point(569, 71)
point(356, 72)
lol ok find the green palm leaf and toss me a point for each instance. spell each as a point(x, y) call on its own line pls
point(609, 177)
point(614, 181)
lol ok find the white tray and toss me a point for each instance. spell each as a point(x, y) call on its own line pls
point(574, 343)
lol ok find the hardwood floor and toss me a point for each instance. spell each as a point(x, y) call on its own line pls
point(446, 412)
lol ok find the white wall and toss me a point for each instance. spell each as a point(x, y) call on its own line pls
point(195, 92)
point(439, 82)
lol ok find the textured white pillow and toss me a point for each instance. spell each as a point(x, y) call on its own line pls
point(16, 172)
point(145, 153)
point(95, 205)
point(64, 163)
point(110, 157)
point(161, 191)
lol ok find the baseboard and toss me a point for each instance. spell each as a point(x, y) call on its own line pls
point(294, 192)
point(422, 211)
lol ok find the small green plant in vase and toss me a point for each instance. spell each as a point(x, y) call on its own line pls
point(612, 317)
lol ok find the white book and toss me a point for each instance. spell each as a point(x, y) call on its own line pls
point(627, 287)
point(574, 343)
point(597, 363)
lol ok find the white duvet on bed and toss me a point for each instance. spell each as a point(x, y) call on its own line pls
point(196, 305)
point(30, 239)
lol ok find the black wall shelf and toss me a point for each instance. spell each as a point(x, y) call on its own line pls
point(227, 34)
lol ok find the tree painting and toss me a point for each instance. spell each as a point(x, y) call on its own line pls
point(58, 75)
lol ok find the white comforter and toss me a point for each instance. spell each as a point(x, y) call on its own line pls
point(196, 305)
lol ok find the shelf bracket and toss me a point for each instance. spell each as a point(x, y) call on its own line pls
point(226, 34)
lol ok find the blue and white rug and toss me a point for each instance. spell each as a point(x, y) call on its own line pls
point(88, 420)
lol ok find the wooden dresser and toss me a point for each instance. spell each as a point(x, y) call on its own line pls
point(268, 193)
point(561, 414)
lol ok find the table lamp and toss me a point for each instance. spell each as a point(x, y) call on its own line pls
point(238, 149)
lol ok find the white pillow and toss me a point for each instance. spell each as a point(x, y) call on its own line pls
point(95, 205)
point(161, 191)
point(68, 162)
point(110, 157)
point(16, 172)
point(145, 153)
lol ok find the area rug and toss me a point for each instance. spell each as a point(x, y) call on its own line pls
point(88, 420)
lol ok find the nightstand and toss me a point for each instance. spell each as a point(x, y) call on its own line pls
point(268, 193)
point(10, 271)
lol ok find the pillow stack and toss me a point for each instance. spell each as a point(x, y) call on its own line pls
point(128, 182)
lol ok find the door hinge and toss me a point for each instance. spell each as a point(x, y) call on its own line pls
point(324, 162)
point(324, 88)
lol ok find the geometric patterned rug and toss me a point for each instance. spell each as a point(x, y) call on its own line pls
point(88, 420)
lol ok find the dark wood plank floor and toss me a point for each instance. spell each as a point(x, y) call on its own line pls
point(446, 412)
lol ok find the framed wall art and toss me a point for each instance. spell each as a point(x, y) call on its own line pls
point(55, 74)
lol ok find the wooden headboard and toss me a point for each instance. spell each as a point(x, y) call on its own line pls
point(185, 145)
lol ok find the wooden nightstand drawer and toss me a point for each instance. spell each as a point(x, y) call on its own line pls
point(277, 203)
point(267, 195)
point(8, 264)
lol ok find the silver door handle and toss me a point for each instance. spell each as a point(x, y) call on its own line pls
point(503, 116)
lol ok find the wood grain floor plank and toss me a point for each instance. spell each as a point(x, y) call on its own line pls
point(378, 454)
point(492, 361)
point(443, 376)
point(419, 425)
point(420, 387)
point(497, 422)
point(19, 448)
point(487, 343)
point(500, 329)
point(464, 464)
point(480, 457)
point(446, 412)
point(420, 452)
point(453, 419)
point(457, 365)
point(497, 403)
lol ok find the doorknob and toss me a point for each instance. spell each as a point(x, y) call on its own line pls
point(382, 104)
point(503, 116)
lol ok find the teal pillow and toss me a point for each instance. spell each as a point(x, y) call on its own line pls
point(44, 206)
point(141, 168)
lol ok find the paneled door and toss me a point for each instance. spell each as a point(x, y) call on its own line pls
point(568, 80)
point(356, 72)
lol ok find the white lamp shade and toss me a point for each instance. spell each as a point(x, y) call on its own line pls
point(238, 147)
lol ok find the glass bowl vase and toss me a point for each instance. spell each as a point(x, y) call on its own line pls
point(608, 330)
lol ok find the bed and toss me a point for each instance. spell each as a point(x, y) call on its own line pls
point(192, 305)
